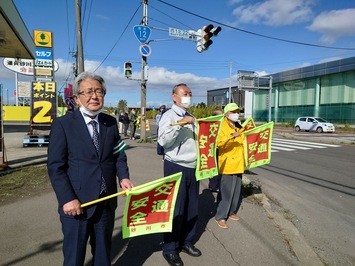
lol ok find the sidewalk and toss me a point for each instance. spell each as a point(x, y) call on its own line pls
point(31, 230)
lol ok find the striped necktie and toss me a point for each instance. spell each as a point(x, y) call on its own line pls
point(95, 140)
point(95, 135)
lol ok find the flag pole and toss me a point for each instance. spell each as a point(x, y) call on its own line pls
point(102, 199)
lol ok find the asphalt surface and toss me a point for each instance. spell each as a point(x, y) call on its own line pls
point(31, 232)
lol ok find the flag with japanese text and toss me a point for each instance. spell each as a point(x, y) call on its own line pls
point(248, 124)
point(257, 145)
point(208, 129)
point(150, 207)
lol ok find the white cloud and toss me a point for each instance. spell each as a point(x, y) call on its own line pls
point(159, 85)
point(102, 17)
point(275, 12)
point(329, 59)
point(334, 24)
point(232, 2)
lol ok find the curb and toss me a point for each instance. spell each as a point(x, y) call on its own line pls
point(303, 251)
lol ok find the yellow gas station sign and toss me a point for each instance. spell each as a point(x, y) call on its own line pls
point(42, 38)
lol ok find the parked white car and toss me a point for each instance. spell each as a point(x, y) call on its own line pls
point(313, 124)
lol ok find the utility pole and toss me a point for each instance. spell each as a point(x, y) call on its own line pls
point(230, 82)
point(143, 80)
point(80, 55)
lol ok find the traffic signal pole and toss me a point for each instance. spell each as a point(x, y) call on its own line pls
point(143, 80)
point(142, 32)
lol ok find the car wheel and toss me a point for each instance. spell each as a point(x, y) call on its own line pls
point(319, 129)
point(297, 128)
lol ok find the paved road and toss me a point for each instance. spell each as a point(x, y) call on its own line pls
point(31, 235)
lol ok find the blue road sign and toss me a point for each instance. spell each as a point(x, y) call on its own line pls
point(142, 33)
point(145, 49)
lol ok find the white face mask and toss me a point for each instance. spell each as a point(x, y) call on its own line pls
point(89, 112)
point(233, 117)
point(186, 101)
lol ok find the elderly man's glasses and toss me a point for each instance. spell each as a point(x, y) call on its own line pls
point(98, 92)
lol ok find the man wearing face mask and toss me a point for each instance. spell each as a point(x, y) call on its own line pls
point(230, 166)
point(178, 137)
point(85, 157)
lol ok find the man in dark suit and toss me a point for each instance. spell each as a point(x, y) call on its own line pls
point(85, 157)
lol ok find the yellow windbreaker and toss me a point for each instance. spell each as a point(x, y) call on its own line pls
point(230, 150)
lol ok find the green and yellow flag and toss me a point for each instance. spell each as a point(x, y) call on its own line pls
point(248, 124)
point(150, 207)
point(257, 145)
point(208, 130)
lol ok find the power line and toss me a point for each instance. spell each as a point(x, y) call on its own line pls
point(171, 17)
point(88, 19)
point(257, 34)
point(119, 38)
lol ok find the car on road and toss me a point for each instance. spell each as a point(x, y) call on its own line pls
point(309, 123)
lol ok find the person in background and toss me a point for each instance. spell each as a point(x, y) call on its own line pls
point(120, 122)
point(83, 165)
point(180, 146)
point(214, 182)
point(132, 124)
point(125, 123)
point(162, 110)
point(160, 149)
point(230, 166)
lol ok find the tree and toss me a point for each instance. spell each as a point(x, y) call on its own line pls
point(122, 105)
point(201, 105)
point(61, 102)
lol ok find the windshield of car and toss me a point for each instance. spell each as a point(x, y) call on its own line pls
point(321, 120)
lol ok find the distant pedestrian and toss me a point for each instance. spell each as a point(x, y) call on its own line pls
point(120, 122)
point(132, 124)
point(162, 110)
point(230, 165)
point(160, 149)
point(125, 123)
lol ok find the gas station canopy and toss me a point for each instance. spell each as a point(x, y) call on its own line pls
point(15, 40)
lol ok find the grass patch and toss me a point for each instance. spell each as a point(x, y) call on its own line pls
point(22, 183)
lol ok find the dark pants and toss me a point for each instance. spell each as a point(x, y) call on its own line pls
point(186, 209)
point(77, 231)
point(132, 130)
point(125, 128)
point(214, 182)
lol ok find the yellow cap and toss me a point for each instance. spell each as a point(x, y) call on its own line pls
point(231, 107)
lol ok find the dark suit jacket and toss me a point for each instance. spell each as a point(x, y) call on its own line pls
point(75, 167)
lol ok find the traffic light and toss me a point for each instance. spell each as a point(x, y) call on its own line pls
point(128, 69)
point(204, 35)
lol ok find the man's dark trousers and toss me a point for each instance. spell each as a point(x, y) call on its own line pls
point(102, 223)
point(186, 209)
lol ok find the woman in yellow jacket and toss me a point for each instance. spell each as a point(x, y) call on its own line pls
point(230, 166)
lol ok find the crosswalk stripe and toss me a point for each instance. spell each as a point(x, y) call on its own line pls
point(282, 148)
point(288, 145)
point(292, 145)
point(316, 144)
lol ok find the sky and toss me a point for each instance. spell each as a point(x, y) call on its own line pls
point(262, 36)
